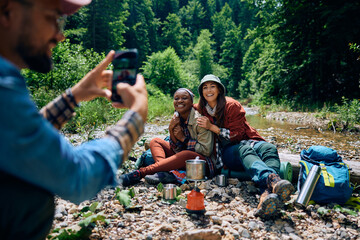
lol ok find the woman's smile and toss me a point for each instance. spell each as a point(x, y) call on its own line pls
point(182, 102)
point(210, 92)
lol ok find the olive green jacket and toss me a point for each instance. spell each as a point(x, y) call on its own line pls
point(204, 138)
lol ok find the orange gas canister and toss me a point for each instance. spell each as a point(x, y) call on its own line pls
point(195, 202)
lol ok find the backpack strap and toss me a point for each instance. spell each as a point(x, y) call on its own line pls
point(302, 167)
point(344, 164)
point(306, 167)
point(328, 178)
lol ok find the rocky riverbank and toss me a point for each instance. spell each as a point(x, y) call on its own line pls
point(229, 210)
point(229, 215)
point(302, 118)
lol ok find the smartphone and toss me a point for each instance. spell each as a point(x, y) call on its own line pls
point(125, 70)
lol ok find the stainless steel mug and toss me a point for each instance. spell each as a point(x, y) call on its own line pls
point(221, 180)
point(169, 192)
point(308, 187)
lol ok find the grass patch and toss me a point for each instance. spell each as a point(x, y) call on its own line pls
point(99, 112)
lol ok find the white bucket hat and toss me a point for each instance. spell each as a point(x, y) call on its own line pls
point(212, 78)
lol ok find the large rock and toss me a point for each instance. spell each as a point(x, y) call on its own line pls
point(203, 234)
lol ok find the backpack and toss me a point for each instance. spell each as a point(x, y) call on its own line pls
point(333, 185)
point(146, 158)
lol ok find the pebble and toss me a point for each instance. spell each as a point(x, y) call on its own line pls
point(129, 217)
point(228, 218)
point(233, 181)
point(289, 229)
point(294, 236)
point(235, 191)
point(245, 233)
point(253, 225)
point(252, 189)
point(216, 220)
point(58, 216)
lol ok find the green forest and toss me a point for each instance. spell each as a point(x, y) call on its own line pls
point(303, 54)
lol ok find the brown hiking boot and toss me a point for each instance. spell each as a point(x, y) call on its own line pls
point(283, 188)
point(268, 206)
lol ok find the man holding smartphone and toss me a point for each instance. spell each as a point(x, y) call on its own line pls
point(36, 162)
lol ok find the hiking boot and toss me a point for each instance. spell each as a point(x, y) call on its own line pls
point(268, 206)
point(130, 179)
point(283, 188)
point(160, 177)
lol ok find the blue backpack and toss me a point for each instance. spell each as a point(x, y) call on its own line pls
point(333, 185)
point(146, 158)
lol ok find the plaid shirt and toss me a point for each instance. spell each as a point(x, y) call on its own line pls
point(188, 144)
point(60, 110)
point(214, 166)
point(127, 131)
point(225, 134)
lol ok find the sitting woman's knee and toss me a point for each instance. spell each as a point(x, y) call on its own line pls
point(268, 147)
point(245, 150)
point(155, 141)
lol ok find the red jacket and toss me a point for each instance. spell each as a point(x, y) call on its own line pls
point(235, 121)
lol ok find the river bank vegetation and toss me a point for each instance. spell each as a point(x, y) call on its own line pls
point(277, 54)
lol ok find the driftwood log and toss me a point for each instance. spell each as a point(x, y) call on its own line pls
point(294, 161)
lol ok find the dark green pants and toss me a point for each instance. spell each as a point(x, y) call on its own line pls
point(26, 211)
point(258, 161)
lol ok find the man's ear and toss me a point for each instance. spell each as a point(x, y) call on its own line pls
point(5, 12)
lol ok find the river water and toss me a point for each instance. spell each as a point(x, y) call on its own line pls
point(293, 138)
point(289, 138)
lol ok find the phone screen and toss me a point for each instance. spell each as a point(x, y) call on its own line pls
point(125, 70)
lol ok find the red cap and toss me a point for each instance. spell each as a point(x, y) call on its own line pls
point(71, 6)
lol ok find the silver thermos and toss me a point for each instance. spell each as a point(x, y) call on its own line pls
point(308, 187)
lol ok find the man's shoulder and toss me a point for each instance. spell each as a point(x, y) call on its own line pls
point(10, 76)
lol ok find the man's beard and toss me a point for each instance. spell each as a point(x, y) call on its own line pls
point(35, 60)
point(34, 57)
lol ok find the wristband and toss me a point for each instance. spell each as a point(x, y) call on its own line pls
point(71, 97)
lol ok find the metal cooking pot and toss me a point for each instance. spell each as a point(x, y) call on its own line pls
point(195, 169)
point(169, 192)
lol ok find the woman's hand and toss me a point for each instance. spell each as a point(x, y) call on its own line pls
point(175, 130)
point(204, 122)
point(178, 133)
point(175, 120)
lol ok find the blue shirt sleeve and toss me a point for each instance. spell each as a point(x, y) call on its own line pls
point(33, 150)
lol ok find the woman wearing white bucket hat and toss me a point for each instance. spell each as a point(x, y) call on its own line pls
point(240, 147)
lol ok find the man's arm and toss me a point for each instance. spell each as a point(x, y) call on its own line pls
point(60, 110)
point(95, 84)
point(32, 150)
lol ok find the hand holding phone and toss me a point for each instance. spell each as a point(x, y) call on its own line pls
point(125, 70)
